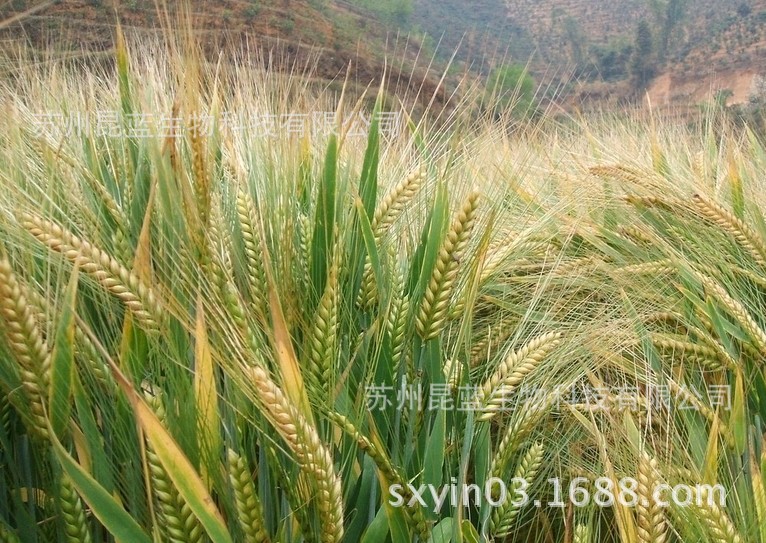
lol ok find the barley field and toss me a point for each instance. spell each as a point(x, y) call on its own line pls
point(410, 331)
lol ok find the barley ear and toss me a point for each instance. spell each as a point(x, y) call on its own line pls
point(504, 516)
point(650, 520)
point(113, 276)
point(512, 372)
point(27, 344)
point(249, 510)
point(434, 307)
point(73, 513)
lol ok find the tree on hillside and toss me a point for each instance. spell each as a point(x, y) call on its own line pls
point(642, 64)
point(511, 88)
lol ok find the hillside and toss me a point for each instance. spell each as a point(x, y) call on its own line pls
point(335, 38)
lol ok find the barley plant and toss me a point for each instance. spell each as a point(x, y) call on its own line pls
point(208, 333)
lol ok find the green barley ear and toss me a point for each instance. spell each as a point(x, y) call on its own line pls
point(255, 273)
point(512, 372)
point(179, 524)
point(27, 344)
point(650, 519)
point(434, 307)
point(393, 203)
point(323, 335)
point(525, 417)
point(113, 276)
point(505, 515)
point(396, 322)
point(249, 510)
point(73, 513)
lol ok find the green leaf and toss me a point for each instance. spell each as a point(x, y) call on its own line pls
point(62, 361)
point(442, 532)
point(321, 245)
point(434, 455)
point(105, 507)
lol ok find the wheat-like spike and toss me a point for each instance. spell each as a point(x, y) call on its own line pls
point(736, 309)
point(505, 515)
point(619, 172)
point(500, 251)
point(381, 460)
point(635, 234)
point(434, 307)
point(368, 290)
point(719, 526)
point(5, 415)
point(483, 348)
point(84, 348)
point(524, 420)
point(653, 202)
point(323, 337)
point(113, 276)
point(255, 272)
point(706, 354)
point(396, 322)
point(26, 342)
point(304, 248)
point(249, 510)
point(394, 201)
point(179, 524)
point(313, 457)
point(582, 534)
point(732, 225)
point(650, 520)
point(660, 267)
point(201, 177)
point(512, 371)
point(73, 513)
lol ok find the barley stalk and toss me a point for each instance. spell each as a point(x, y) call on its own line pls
point(113, 276)
point(249, 510)
point(434, 307)
point(313, 457)
point(732, 225)
point(505, 515)
point(650, 520)
point(73, 513)
point(27, 344)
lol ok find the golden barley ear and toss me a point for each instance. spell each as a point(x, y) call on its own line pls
point(311, 454)
point(650, 519)
point(435, 305)
point(113, 276)
point(28, 346)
